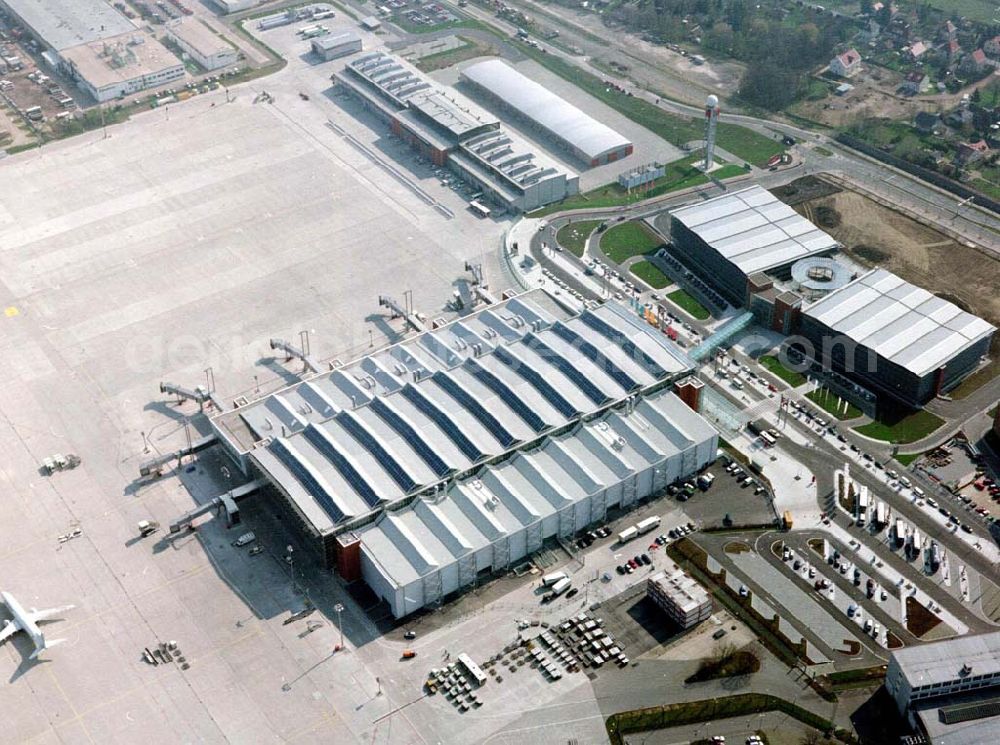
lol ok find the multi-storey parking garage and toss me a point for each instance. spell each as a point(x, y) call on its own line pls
point(425, 465)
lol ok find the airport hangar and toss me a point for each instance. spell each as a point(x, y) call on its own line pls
point(95, 45)
point(893, 337)
point(586, 139)
point(429, 465)
point(449, 130)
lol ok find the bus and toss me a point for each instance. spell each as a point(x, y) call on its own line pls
point(479, 208)
point(767, 439)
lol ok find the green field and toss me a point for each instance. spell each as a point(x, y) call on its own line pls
point(905, 459)
point(678, 175)
point(831, 404)
point(773, 365)
point(573, 236)
point(650, 274)
point(629, 239)
point(902, 429)
point(978, 10)
point(688, 304)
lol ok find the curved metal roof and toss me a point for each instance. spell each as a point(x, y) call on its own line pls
point(554, 114)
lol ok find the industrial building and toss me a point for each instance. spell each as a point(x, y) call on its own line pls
point(451, 131)
point(583, 137)
point(676, 593)
point(201, 44)
point(896, 338)
point(121, 65)
point(61, 24)
point(949, 690)
point(729, 238)
point(336, 45)
point(101, 49)
point(235, 6)
point(427, 465)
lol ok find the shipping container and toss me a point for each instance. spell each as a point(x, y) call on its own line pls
point(644, 526)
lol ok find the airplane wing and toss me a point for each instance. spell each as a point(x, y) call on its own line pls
point(8, 630)
point(41, 615)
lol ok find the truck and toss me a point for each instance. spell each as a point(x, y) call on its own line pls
point(900, 532)
point(244, 539)
point(561, 586)
point(786, 519)
point(862, 507)
point(880, 515)
point(705, 481)
point(147, 527)
point(550, 579)
point(628, 534)
point(650, 523)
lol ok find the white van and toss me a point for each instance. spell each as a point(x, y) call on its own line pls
point(550, 579)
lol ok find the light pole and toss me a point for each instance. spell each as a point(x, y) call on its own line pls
point(289, 557)
point(338, 609)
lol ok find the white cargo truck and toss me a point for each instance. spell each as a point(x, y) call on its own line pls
point(550, 579)
point(561, 586)
point(650, 523)
point(628, 534)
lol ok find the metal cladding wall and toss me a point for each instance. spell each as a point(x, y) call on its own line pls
point(445, 580)
point(717, 271)
point(885, 377)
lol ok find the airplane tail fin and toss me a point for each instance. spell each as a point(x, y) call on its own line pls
point(46, 644)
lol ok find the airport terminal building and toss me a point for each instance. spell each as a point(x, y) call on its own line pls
point(451, 131)
point(427, 466)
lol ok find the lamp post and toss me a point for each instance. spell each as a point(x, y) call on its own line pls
point(338, 609)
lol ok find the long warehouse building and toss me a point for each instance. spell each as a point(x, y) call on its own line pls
point(449, 130)
point(528, 421)
point(729, 238)
point(896, 338)
point(586, 139)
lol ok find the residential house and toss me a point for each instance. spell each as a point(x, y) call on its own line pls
point(959, 118)
point(846, 65)
point(916, 82)
point(949, 32)
point(979, 59)
point(917, 50)
point(952, 49)
point(971, 152)
point(926, 122)
point(869, 33)
point(992, 47)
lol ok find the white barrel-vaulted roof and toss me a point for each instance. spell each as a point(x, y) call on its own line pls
point(394, 423)
point(754, 230)
point(543, 107)
point(900, 322)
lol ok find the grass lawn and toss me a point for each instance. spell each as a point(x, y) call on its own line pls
point(820, 150)
point(831, 404)
point(983, 11)
point(573, 237)
point(650, 274)
point(905, 459)
point(692, 307)
point(629, 239)
point(773, 364)
point(468, 50)
point(901, 429)
point(678, 175)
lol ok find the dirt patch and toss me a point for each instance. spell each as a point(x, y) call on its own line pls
point(919, 620)
point(736, 547)
point(875, 235)
point(827, 217)
point(804, 189)
point(816, 544)
point(893, 641)
point(874, 94)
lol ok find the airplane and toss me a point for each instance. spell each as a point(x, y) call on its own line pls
point(27, 621)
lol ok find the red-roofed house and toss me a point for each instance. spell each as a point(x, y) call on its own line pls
point(917, 49)
point(952, 49)
point(970, 152)
point(847, 64)
point(992, 47)
point(980, 58)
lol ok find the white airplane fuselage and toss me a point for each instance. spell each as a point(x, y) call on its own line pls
point(23, 619)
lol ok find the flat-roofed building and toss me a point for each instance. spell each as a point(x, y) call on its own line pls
point(121, 65)
point(678, 595)
point(729, 238)
point(949, 689)
point(61, 24)
point(895, 338)
point(235, 6)
point(337, 45)
point(204, 46)
point(449, 130)
point(587, 140)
